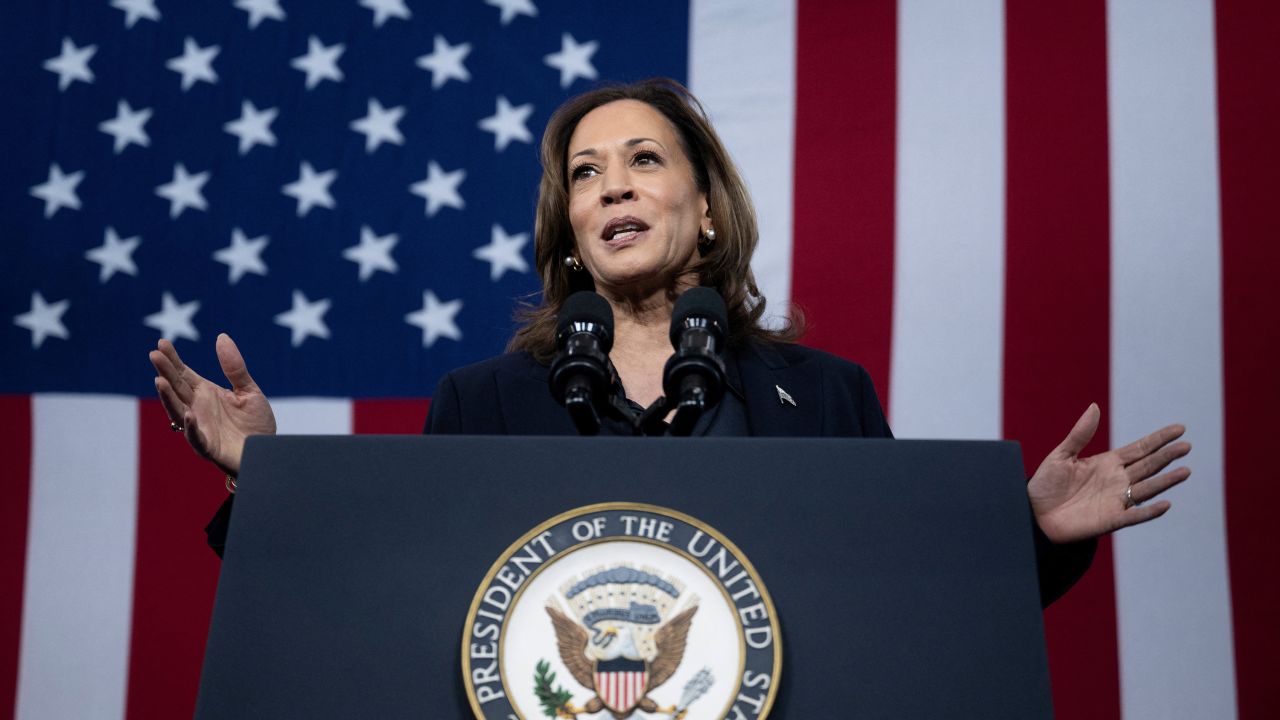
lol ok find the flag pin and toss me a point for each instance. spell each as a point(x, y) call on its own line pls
point(784, 398)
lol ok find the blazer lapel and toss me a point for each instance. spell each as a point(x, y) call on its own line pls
point(764, 372)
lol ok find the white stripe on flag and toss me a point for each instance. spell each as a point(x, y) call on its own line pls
point(730, 41)
point(78, 594)
point(948, 316)
point(1173, 603)
point(313, 416)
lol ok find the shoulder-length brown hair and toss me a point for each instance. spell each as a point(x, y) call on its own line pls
point(724, 265)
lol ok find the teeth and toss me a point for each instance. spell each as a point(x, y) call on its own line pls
point(623, 230)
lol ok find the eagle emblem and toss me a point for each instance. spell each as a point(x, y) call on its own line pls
point(622, 638)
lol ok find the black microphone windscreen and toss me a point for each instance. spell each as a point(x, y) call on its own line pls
point(698, 302)
point(586, 306)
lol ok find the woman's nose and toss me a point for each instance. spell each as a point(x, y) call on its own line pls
point(616, 188)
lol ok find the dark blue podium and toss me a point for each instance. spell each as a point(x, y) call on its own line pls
point(901, 573)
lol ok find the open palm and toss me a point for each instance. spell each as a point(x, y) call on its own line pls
point(215, 420)
point(1074, 498)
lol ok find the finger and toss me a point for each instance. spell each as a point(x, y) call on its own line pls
point(1156, 461)
point(1147, 489)
point(233, 365)
point(169, 351)
point(185, 373)
point(173, 407)
point(1137, 515)
point(1143, 447)
point(1082, 433)
point(165, 369)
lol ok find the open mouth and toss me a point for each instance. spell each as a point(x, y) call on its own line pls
point(622, 229)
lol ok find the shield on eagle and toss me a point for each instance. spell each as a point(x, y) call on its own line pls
point(621, 683)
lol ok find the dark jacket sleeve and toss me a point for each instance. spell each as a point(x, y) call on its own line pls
point(1060, 565)
point(216, 530)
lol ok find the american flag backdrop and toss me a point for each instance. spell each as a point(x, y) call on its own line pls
point(1004, 210)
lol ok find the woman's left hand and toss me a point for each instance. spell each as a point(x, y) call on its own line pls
point(1076, 498)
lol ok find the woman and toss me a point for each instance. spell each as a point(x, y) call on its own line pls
point(639, 201)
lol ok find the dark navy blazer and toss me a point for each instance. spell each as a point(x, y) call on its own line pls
point(508, 395)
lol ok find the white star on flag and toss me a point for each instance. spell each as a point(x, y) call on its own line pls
point(184, 191)
point(195, 63)
point(137, 9)
point(512, 8)
point(127, 126)
point(243, 255)
point(305, 318)
point(436, 319)
point(253, 126)
point(320, 63)
point(43, 319)
point(114, 255)
point(59, 190)
point(72, 63)
point(440, 188)
point(379, 125)
point(574, 60)
point(260, 10)
point(503, 252)
point(373, 253)
point(384, 9)
point(508, 124)
point(311, 188)
point(174, 319)
point(445, 62)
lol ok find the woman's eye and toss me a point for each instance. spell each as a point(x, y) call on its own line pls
point(582, 172)
point(647, 157)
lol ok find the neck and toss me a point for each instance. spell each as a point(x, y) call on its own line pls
point(641, 345)
point(642, 313)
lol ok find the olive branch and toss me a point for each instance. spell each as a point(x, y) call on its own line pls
point(554, 701)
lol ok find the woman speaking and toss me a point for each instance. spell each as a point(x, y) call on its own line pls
point(639, 202)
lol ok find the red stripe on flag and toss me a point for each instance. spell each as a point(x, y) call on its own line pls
point(176, 573)
point(15, 448)
point(842, 251)
point(389, 417)
point(1248, 61)
point(1057, 345)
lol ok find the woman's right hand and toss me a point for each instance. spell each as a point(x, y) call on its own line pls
point(214, 419)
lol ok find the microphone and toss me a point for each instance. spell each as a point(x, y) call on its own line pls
point(582, 377)
point(694, 376)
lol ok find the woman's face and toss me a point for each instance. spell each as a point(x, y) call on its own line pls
point(633, 203)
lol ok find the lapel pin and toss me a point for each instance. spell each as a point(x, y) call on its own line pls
point(784, 398)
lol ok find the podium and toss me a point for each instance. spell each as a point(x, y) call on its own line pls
point(900, 574)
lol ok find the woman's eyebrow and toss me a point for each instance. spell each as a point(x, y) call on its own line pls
point(630, 143)
point(636, 141)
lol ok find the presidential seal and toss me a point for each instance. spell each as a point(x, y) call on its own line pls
point(618, 611)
